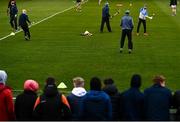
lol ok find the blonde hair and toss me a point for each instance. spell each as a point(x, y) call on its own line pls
point(159, 79)
point(78, 82)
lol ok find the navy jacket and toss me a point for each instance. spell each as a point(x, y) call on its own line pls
point(23, 19)
point(116, 102)
point(105, 12)
point(13, 10)
point(97, 106)
point(158, 101)
point(132, 104)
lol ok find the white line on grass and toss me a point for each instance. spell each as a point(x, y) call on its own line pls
point(44, 20)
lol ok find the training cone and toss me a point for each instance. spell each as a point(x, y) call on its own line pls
point(62, 86)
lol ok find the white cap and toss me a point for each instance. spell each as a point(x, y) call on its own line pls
point(24, 11)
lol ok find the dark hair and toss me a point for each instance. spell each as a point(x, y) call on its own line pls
point(95, 84)
point(50, 81)
point(136, 81)
point(108, 81)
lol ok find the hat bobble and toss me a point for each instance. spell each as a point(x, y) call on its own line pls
point(31, 85)
point(3, 77)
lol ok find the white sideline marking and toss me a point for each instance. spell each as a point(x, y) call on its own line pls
point(43, 20)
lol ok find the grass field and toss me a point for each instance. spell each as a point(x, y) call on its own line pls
point(57, 49)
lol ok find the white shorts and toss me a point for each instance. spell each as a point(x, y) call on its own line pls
point(173, 6)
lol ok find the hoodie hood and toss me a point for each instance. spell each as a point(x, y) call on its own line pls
point(79, 92)
point(3, 77)
point(50, 90)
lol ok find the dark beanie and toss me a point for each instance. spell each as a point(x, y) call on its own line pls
point(136, 81)
point(95, 84)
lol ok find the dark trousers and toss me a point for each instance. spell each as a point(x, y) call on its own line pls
point(105, 20)
point(13, 21)
point(139, 24)
point(26, 30)
point(129, 35)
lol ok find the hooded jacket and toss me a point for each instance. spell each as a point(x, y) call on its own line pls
point(97, 106)
point(6, 104)
point(75, 100)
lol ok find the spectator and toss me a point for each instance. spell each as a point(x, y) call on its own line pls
point(6, 100)
point(115, 96)
point(173, 5)
point(25, 101)
point(133, 100)
point(97, 104)
point(76, 97)
point(176, 100)
point(51, 105)
point(158, 100)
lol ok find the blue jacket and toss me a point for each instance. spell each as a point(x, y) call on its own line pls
point(105, 11)
point(132, 104)
point(97, 106)
point(75, 100)
point(127, 22)
point(23, 19)
point(158, 101)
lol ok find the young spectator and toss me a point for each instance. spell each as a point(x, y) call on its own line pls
point(25, 101)
point(115, 96)
point(51, 105)
point(97, 104)
point(6, 100)
point(76, 97)
point(158, 100)
point(133, 100)
point(176, 101)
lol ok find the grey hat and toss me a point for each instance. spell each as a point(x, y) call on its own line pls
point(127, 11)
point(3, 77)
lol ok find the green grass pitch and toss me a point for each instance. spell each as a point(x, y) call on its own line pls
point(57, 49)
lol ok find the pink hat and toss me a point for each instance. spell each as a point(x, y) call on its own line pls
point(31, 85)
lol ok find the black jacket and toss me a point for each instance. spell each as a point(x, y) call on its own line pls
point(176, 104)
point(24, 105)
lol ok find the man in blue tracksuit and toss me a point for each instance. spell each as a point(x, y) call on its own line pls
point(127, 27)
point(105, 18)
point(13, 11)
point(23, 19)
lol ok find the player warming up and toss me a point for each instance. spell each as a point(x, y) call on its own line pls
point(173, 4)
point(23, 19)
point(105, 18)
point(143, 14)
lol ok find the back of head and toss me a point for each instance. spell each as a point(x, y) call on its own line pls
point(78, 82)
point(108, 81)
point(136, 81)
point(31, 85)
point(106, 4)
point(50, 88)
point(3, 77)
point(127, 12)
point(159, 79)
point(24, 11)
point(95, 84)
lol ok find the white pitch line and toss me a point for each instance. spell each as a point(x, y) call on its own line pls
point(43, 20)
